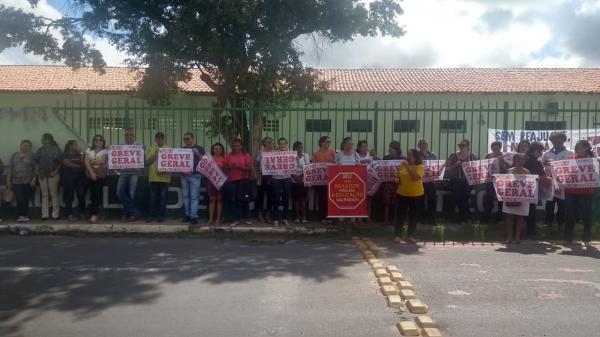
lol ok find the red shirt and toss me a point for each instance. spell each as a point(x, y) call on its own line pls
point(240, 159)
point(589, 190)
point(219, 161)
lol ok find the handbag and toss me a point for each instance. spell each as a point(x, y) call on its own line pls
point(247, 190)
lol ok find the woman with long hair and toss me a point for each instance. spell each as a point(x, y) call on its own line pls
point(458, 182)
point(47, 163)
point(347, 155)
point(239, 169)
point(410, 194)
point(325, 154)
point(299, 191)
point(96, 165)
point(281, 191)
point(21, 179)
point(215, 196)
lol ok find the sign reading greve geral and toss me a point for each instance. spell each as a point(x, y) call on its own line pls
point(278, 163)
point(347, 191)
point(516, 188)
point(315, 174)
point(386, 171)
point(123, 157)
point(208, 168)
point(434, 170)
point(575, 173)
point(480, 171)
point(175, 160)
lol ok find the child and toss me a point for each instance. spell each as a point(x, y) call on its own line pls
point(514, 212)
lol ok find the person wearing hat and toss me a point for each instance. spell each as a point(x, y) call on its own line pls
point(458, 181)
point(557, 152)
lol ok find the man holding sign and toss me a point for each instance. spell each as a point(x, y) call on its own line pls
point(190, 181)
point(128, 159)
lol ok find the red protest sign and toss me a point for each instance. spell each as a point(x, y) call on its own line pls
point(516, 188)
point(315, 174)
point(386, 170)
point(175, 160)
point(575, 173)
point(122, 157)
point(347, 191)
point(480, 171)
point(434, 170)
point(278, 163)
point(208, 168)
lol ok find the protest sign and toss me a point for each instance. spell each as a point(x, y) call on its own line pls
point(123, 157)
point(386, 171)
point(315, 174)
point(208, 168)
point(373, 182)
point(434, 170)
point(175, 160)
point(575, 173)
point(516, 188)
point(347, 191)
point(278, 163)
point(511, 138)
point(480, 171)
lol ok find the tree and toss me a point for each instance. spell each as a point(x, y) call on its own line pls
point(245, 50)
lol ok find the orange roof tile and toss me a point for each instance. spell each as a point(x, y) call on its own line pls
point(451, 80)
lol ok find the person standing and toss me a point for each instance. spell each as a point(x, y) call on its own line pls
point(365, 157)
point(264, 198)
point(127, 185)
point(347, 155)
point(158, 182)
point(323, 155)
point(96, 165)
point(239, 168)
point(190, 182)
point(557, 152)
point(281, 191)
point(215, 196)
point(515, 212)
point(410, 194)
point(389, 189)
point(458, 182)
point(47, 162)
point(21, 179)
point(73, 180)
point(579, 201)
point(532, 163)
point(430, 192)
point(490, 192)
point(299, 191)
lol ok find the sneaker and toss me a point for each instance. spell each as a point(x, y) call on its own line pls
point(247, 223)
point(411, 240)
point(397, 239)
point(297, 220)
point(234, 224)
point(276, 223)
point(304, 220)
point(93, 219)
point(285, 222)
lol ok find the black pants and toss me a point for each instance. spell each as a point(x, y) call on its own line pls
point(560, 214)
point(96, 189)
point(281, 194)
point(461, 193)
point(412, 207)
point(531, 221)
point(73, 185)
point(264, 195)
point(321, 194)
point(430, 201)
point(23, 196)
point(579, 205)
point(488, 203)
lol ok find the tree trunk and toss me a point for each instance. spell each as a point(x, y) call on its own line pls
point(257, 127)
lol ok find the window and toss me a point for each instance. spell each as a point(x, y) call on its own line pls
point(545, 125)
point(201, 124)
point(110, 123)
point(452, 126)
point(359, 125)
point(271, 125)
point(161, 123)
point(406, 126)
point(318, 125)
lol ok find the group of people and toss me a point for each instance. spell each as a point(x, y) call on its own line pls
point(410, 198)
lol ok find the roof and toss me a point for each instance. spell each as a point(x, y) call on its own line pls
point(447, 80)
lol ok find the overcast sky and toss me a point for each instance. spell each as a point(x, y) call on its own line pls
point(439, 33)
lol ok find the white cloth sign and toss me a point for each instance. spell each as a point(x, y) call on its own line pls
point(208, 168)
point(516, 188)
point(123, 157)
point(511, 138)
point(278, 163)
point(175, 160)
point(480, 171)
point(575, 173)
point(386, 171)
point(315, 174)
point(434, 170)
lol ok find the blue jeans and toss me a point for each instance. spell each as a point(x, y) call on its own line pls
point(239, 209)
point(190, 190)
point(126, 186)
point(281, 191)
point(157, 202)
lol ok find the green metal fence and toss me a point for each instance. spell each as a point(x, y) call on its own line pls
point(443, 123)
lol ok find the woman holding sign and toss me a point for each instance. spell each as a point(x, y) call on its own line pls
point(514, 212)
point(299, 191)
point(579, 201)
point(281, 189)
point(458, 181)
point(532, 163)
point(215, 195)
point(96, 170)
point(410, 193)
point(323, 155)
point(239, 169)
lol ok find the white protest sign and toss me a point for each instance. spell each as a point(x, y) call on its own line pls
point(516, 188)
point(480, 171)
point(175, 160)
point(278, 163)
point(575, 173)
point(123, 157)
point(315, 174)
point(208, 168)
point(386, 171)
point(434, 170)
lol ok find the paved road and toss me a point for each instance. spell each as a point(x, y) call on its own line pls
point(55, 286)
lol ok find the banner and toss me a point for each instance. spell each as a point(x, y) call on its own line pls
point(373, 182)
point(278, 163)
point(347, 191)
point(511, 138)
point(123, 157)
point(434, 170)
point(575, 173)
point(315, 174)
point(175, 160)
point(208, 168)
point(480, 171)
point(386, 171)
point(516, 188)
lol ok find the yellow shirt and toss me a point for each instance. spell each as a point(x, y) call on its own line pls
point(153, 175)
point(407, 186)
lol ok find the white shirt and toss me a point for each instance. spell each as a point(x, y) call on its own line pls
point(366, 160)
point(552, 155)
point(342, 159)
